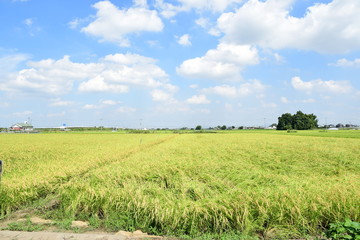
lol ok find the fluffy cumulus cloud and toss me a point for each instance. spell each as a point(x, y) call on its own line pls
point(223, 63)
point(169, 9)
point(48, 76)
point(184, 40)
point(245, 89)
point(113, 73)
point(112, 24)
point(160, 95)
point(329, 28)
point(318, 85)
point(343, 62)
point(10, 62)
point(214, 5)
point(99, 84)
point(198, 99)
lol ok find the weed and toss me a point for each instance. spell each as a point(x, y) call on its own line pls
point(346, 230)
point(26, 225)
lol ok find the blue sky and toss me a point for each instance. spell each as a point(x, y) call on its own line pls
point(177, 63)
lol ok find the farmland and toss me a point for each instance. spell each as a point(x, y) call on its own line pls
point(255, 183)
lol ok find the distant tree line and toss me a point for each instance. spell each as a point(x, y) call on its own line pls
point(298, 121)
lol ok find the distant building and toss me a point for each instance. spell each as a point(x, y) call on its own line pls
point(25, 127)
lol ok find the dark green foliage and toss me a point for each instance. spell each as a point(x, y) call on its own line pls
point(198, 127)
point(285, 122)
point(298, 121)
point(344, 230)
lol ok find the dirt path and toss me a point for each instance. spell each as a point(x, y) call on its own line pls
point(16, 235)
point(35, 228)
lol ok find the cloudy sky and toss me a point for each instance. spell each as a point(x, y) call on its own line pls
point(176, 63)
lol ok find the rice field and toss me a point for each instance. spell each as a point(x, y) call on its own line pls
point(266, 184)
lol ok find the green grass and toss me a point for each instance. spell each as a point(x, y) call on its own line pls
point(266, 184)
point(26, 225)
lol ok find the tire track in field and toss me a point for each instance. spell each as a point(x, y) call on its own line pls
point(51, 190)
point(121, 157)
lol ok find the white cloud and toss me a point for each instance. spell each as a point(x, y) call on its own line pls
point(22, 114)
point(193, 86)
point(203, 22)
point(346, 63)
point(32, 29)
point(198, 99)
point(128, 59)
point(9, 63)
point(330, 28)
point(28, 21)
point(76, 22)
point(254, 86)
point(98, 84)
point(309, 100)
point(268, 104)
point(223, 90)
point(245, 89)
point(284, 100)
point(126, 110)
point(48, 76)
point(160, 95)
point(100, 105)
point(278, 58)
point(90, 106)
point(229, 107)
point(57, 102)
point(169, 10)
point(215, 32)
point(109, 102)
point(113, 24)
point(60, 114)
point(113, 73)
point(184, 40)
point(318, 85)
point(141, 3)
point(223, 63)
point(213, 5)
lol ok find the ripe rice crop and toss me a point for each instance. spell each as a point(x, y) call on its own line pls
point(268, 183)
point(36, 164)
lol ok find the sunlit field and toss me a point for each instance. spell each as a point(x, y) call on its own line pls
point(243, 183)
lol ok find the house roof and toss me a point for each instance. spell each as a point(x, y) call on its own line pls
point(22, 125)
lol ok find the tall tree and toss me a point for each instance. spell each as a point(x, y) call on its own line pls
point(299, 121)
point(284, 122)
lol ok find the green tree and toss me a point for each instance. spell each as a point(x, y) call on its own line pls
point(299, 121)
point(284, 122)
point(223, 127)
point(198, 127)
